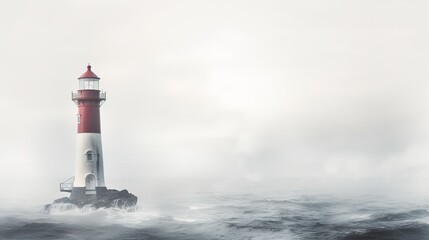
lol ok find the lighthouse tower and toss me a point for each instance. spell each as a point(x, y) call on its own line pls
point(89, 174)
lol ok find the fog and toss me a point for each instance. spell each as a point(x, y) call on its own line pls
point(218, 95)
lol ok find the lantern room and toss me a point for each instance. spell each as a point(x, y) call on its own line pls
point(88, 80)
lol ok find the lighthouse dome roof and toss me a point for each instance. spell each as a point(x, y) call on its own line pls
point(88, 73)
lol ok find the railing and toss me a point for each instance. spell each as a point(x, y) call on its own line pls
point(67, 185)
point(76, 96)
point(101, 95)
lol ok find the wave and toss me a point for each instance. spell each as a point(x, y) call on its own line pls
point(412, 231)
point(71, 209)
point(229, 217)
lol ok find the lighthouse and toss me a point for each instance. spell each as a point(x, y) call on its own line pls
point(87, 186)
point(88, 180)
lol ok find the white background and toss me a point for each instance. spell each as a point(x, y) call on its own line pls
point(219, 93)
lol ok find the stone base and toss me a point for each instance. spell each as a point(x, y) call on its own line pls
point(104, 198)
point(79, 193)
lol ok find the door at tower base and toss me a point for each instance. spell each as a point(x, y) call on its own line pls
point(90, 184)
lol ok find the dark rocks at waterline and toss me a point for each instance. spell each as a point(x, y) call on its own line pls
point(110, 198)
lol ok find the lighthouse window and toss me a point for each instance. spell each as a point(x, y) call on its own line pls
point(89, 155)
point(78, 118)
point(88, 84)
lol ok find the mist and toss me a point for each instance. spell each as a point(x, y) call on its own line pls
point(218, 95)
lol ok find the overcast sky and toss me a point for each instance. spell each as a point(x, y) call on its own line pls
point(227, 90)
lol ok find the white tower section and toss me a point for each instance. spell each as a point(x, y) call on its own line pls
point(89, 162)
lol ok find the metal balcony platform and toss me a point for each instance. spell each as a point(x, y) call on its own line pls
point(67, 185)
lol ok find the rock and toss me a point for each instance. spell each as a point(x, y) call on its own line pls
point(110, 198)
point(62, 200)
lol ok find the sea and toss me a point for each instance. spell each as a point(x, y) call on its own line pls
point(233, 215)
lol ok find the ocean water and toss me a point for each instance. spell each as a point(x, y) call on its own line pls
point(226, 216)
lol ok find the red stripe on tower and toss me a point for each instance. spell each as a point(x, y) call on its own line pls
point(88, 99)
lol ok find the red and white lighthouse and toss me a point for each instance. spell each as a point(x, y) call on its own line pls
point(87, 186)
point(89, 173)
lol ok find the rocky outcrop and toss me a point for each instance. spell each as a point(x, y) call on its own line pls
point(110, 198)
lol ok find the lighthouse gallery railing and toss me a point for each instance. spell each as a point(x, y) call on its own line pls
point(67, 185)
point(79, 96)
